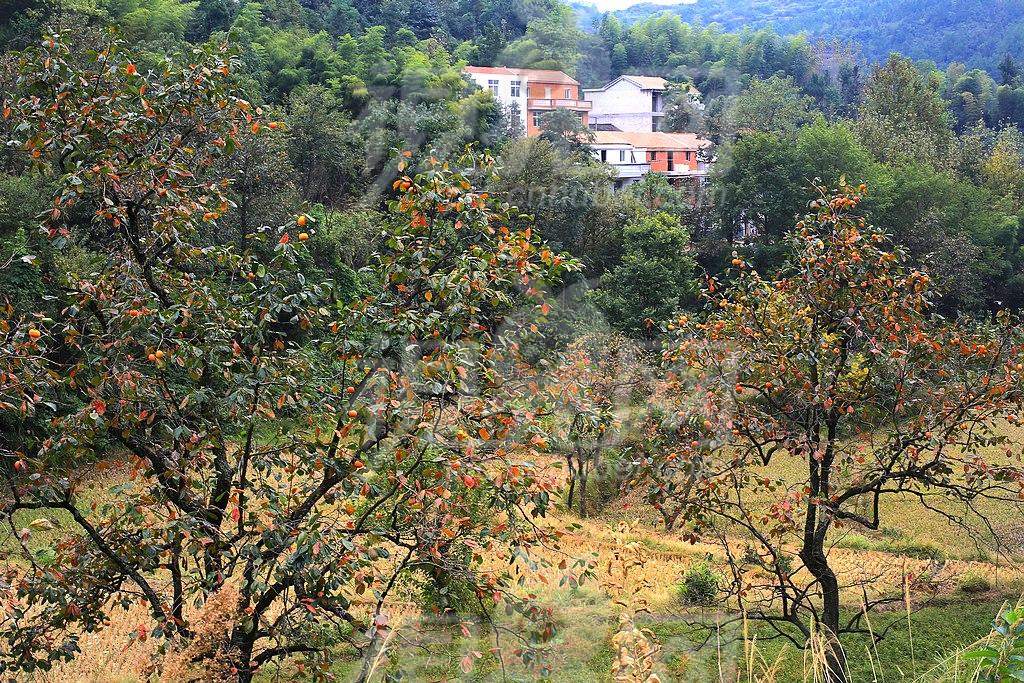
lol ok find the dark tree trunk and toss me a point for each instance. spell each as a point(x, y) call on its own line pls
point(812, 553)
point(572, 481)
point(816, 562)
point(583, 490)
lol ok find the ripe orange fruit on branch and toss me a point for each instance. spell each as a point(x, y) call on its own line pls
point(352, 413)
point(301, 220)
point(303, 236)
point(34, 333)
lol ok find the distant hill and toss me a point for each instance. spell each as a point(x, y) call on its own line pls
point(976, 32)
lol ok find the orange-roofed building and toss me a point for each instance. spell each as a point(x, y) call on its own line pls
point(634, 154)
point(533, 91)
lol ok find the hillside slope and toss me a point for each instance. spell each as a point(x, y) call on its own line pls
point(976, 32)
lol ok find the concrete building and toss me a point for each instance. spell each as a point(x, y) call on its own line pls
point(533, 91)
point(629, 103)
point(677, 156)
point(634, 104)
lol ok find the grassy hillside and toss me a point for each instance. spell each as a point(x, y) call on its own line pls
point(976, 32)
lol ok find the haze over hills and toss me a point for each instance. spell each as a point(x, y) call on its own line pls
point(975, 32)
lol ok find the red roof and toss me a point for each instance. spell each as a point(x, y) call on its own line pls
point(540, 75)
point(657, 140)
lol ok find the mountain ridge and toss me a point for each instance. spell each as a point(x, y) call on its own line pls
point(977, 33)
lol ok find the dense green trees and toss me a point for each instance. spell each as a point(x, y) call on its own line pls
point(774, 105)
point(968, 233)
point(977, 32)
point(654, 279)
point(903, 117)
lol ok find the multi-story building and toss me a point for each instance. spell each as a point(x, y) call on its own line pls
point(633, 154)
point(533, 91)
point(632, 103)
point(629, 103)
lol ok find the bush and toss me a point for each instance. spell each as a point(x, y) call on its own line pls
point(700, 585)
point(783, 562)
point(919, 550)
point(855, 542)
point(973, 583)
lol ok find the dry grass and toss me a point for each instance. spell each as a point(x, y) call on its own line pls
point(110, 655)
point(588, 613)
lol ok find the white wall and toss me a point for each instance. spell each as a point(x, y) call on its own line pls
point(623, 105)
point(505, 90)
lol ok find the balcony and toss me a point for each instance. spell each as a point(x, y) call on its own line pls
point(631, 170)
point(578, 105)
point(682, 169)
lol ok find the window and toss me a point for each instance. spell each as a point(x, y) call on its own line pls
point(492, 85)
point(536, 119)
point(671, 161)
point(654, 125)
point(568, 93)
point(516, 88)
point(654, 156)
point(604, 155)
point(622, 156)
point(687, 156)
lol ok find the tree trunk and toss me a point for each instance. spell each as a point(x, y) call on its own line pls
point(369, 658)
point(817, 564)
point(812, 553)
point(245, 642)
point(583, 490)
point(572, 481)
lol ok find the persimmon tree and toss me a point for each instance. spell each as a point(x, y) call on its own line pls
point(839, 364)
point(305, 452)
point(592, 387)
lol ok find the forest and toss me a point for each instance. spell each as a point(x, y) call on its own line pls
point(314, 366)
point(975, 32)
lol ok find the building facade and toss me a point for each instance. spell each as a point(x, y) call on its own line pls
point(629, 103)
point(677, 156)
point(532, 91)
point(633, 104)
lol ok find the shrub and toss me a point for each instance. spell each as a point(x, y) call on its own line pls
point(855, 542)
point(973, 583)
point(700, 585)
point(783, 562)
point(919, 550)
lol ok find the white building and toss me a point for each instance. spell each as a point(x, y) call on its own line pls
point(629, 103)
point(632, 104)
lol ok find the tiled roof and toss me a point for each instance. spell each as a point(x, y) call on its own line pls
point(648, 82)
point(539, 75)
point(683, 141)
point(642, 82)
